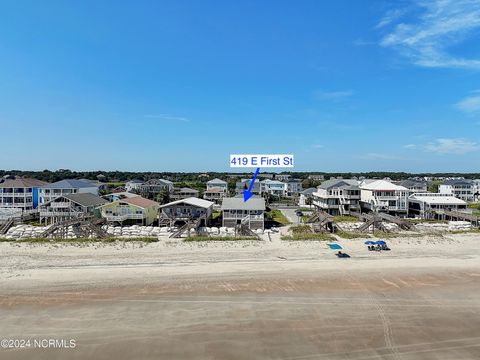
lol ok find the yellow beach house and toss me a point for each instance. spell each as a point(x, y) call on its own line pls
point(128, 211)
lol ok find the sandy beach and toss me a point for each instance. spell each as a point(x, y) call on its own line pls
point(244, 300)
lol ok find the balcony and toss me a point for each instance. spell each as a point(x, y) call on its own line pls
point(123, 217)
point(49, 213)
point(16, 205)
point(240, 216)
point(62, 204)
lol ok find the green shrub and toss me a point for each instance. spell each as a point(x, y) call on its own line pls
point(277, 216)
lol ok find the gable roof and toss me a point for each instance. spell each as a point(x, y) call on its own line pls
point(86, 199)
point(22, 183)
point(193, 201)
point(382, 185)
point(411, 182)
point(338, 183)
point(83, 199)
point(458, 182)
point(308, 191)
point(69, 184)
point(140, 202)
point(217, 181)
point(237, 203)
point(158, 182)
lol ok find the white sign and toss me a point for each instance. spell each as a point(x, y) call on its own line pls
point(261, 161)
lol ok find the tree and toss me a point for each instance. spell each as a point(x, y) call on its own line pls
point(163, 197)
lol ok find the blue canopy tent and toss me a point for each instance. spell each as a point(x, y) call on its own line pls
point(335, 246)
point(383, 245)
point(370, 242)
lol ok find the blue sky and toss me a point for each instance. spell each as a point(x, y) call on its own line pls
point(179, 85)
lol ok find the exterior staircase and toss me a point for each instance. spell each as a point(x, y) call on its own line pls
point(402, 224)
point(83, 226)
point(189, 225)
point(323, 221)
point(4, 228)
point(244, 228)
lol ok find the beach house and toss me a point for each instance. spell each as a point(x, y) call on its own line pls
point(153, 187)
point(273, 187)
point(217, 189)
point(428, 205)
point(185, 210)
point(215, 194)
point(306, 197)
point(413, 185)
point(251, 213)
point(244, 184)
point(131, 210)
point(183, 193)
point(294, 187)
point(337, 196)
point(461, 188)
point(282, 177)
point(133, 185)
point(21, 194)
point(217, 184)
point(70, 206)
point(51, 191)
point(383, 196)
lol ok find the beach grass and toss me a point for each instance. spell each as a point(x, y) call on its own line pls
point(351, 235)
point(309, 237)
point(82, 240)
point(472, 231)
point(385, 235)
point(277, 216)
point(219, 238)
point(301, 229)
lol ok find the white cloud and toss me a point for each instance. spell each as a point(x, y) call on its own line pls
point(167, 117)
point(470, 104)
point(390, 16)
point(426, 40)
point(333, 95)
point(410, 146)
point(318, 146)
point(452, 146)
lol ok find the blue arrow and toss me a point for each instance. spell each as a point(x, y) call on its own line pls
point(247, 194)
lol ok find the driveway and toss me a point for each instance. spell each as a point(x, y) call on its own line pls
point(290, 215)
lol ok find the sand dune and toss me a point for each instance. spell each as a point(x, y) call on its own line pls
point(267, 300)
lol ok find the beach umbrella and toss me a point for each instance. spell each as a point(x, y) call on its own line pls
point(381, 242)
point(370, 242)
point(335, 246)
